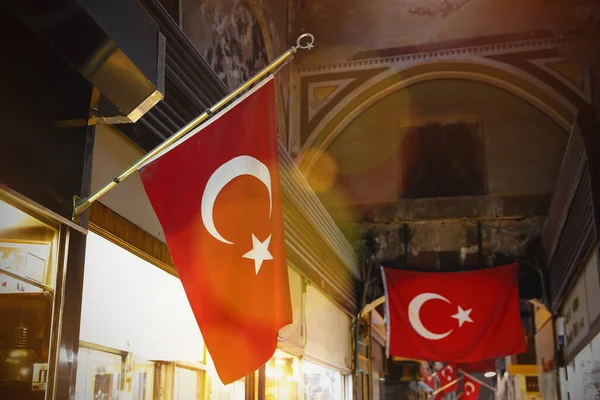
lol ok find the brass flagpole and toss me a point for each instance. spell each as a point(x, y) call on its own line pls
point(80, 205)
point(446, 386)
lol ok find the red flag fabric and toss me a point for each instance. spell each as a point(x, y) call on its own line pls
point(456, 316)
point(471, 388)
point(426, 377)
point(478, 366)
point(439, 396)
point(446, 376)
point(429, 381)
point(217, 196)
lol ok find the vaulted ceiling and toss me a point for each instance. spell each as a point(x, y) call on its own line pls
point(436, 128)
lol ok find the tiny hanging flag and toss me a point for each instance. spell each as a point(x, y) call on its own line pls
point(429, 381)
point(454, 316)
point(426, 377)
point(471, 388)
point(217, 196)
point(446, 376)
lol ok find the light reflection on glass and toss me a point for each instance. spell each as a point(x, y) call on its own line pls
point(282, 376)
point(321, 383)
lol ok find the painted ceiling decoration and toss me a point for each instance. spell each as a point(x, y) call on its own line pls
point(529, 66)
point(312, 110)
point(239, 33)
point(321, 93)
point(442, 8)
point(542, 64)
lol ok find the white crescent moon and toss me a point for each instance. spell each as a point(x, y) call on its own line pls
point(469, 385)
point(413, 315)
point(450, 371)
point(238, 166)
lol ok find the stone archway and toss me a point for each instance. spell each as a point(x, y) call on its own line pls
point(384, 84)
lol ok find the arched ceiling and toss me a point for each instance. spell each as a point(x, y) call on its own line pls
point(436, 128)
point(521, 146)
point(513, 150)
point(321, 126)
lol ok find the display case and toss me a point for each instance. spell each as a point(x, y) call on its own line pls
point(30, 248)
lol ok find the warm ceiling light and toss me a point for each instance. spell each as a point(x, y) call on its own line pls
point(490, 374)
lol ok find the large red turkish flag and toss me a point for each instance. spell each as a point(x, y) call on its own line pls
point(455, 316)
point(478, 366)
point(217, 196)
point(471, 388)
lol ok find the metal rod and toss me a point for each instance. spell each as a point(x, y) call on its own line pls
point(83, 204)
point(26, 280)
point(446, 386)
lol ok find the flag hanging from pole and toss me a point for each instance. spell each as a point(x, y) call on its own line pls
point(216, 193)
point(446, 376)
point(455, 316)
point(426, 377)
point(471, 388)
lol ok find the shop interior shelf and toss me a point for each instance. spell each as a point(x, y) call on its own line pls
point(27, 280)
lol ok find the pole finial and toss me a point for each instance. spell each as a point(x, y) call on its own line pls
point(308, 39)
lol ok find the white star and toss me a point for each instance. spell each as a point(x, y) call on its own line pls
point(463, 316)
point(259, 252)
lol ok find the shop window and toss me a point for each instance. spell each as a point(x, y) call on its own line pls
point(321, 383)
point(188, 384)
point(217, 391)
point(583, 372)
point(102, 374)
point(98, 374)
point(143, 380)
point(282, 377)
point(28, 274)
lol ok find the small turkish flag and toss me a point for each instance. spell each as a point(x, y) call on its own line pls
point(455, 316)
point(446, 376)
point(216, 194)
point(429, 381)
point(426, 377)
point(470, 388)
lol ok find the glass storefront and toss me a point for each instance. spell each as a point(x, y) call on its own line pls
point(108, 374)
point(282, 377)
point(187, 384)
point(289, 378)
point(321, 383)
point(218, 391)
point(583, 373)
point(132, 354)
point(143, 380)
point(98, 374)
point(30, 245)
